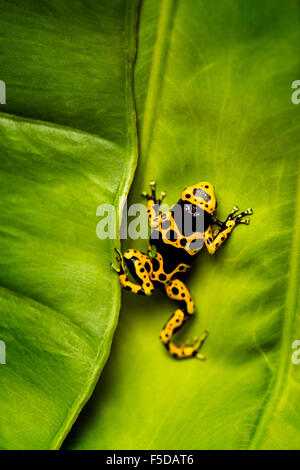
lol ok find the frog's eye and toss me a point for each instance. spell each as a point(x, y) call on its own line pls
point(201, 194)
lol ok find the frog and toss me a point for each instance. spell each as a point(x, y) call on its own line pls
point(177, 237)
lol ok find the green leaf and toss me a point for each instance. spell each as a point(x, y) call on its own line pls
point(68, 70)
point(213, 89)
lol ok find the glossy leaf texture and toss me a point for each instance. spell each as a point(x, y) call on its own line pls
point(213, 89)
point(67, 145)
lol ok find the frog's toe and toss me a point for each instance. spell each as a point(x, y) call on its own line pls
point(115, 268)
point(245, 221)
point(232, 213)
point(120, 260)
point(144, 194)
point(161, 197)
point(233, 210)
point(200, 356)
point(199, 341)
point(119, 255)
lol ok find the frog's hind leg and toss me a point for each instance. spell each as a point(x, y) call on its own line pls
point(178, 291)
point(139, 266)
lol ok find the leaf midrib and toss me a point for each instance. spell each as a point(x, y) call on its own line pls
point(165, 21)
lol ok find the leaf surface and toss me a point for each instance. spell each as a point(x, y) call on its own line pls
point(213, 90)
point(67, 145)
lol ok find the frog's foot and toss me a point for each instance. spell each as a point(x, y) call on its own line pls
point(198, 343)
point(239, 218)
point(222, 225)
point(187, 350)
point(121, 269)
point(152, 196)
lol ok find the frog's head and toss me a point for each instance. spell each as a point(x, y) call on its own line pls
point(201, 194)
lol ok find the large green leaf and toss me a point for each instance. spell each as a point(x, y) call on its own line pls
point(69, 63)
point(213, 86)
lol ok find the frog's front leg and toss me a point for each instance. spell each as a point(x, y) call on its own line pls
point(153, 203)
point(178, 291)
point(213, 242)
point(139, 266)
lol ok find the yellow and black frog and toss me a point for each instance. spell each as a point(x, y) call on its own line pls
point(177, 235)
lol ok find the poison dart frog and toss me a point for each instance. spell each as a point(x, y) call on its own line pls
point(177, 236)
